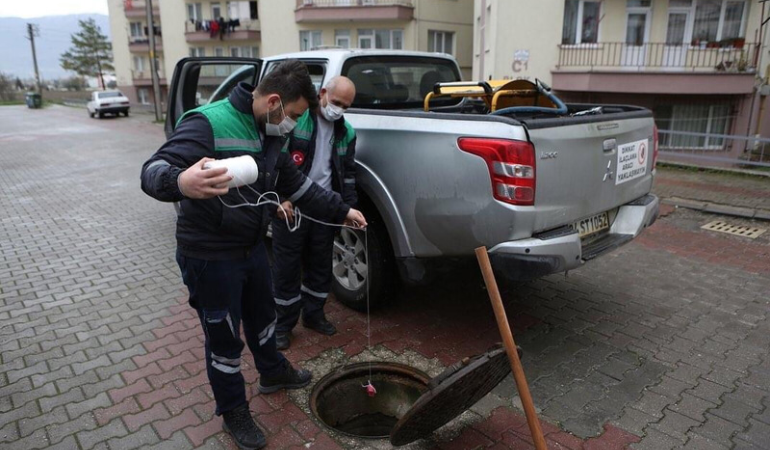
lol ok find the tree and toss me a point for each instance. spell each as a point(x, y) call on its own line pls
point(19, 84)
point(74, 83)
point(91, 52)
point(6, 86)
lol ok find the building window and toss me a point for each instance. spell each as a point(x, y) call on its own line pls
point(308, 40)
point(219, 51)
point(384, 39)
point(143, 95)
point(216, 10)
point(581, 22)
point(194, 12)
point(689, 126)
point(716, 20)
point(441, 41)
point(638, 15)
point(137, 30)
point(365, 39)
point(342, 38)
point(253, 10)
point(138, 63)
point(704, 21)
point(244, 52)
point(243, 10)
point(197, 52)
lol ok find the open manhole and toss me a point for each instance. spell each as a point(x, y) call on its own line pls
point(409, 405)
point(341, 402)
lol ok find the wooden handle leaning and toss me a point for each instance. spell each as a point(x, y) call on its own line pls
point(510, 348)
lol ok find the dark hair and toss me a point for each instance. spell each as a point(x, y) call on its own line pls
point(291, 80)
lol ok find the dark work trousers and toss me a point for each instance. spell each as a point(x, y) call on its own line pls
point(302, 271)
point(226, 293)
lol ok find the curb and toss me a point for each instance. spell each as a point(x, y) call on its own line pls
point(725, 170)
point(718, 208)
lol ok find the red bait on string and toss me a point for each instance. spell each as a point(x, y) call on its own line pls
point(371, 391)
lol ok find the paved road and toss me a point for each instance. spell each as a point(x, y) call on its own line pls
point(662, 344)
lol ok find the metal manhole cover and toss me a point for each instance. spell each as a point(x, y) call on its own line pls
point(737, 230)
point(451, 393)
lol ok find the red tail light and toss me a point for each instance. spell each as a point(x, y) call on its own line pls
point(511, 167)
point(654, 146)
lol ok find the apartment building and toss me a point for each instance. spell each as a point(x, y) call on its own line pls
point(182, 29)
point(698, 64)
point(444, 26)
point(269, 27)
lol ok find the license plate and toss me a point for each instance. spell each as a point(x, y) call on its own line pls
point(592, 225)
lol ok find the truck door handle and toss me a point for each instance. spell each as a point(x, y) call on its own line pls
point(609, 145)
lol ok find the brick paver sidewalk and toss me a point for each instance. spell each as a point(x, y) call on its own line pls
point(661, 344)
point(732, 190)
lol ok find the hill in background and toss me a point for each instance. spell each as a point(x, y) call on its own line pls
point(54, 39)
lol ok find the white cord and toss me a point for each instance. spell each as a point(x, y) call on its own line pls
point(263, 200)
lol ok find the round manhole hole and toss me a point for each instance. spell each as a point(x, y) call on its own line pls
point(341, 402)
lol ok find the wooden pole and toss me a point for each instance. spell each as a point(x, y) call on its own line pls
point(510, 348)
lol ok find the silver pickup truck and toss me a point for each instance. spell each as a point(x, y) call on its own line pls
point(544, 190)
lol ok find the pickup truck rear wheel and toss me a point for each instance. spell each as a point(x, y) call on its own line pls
point(352, 270)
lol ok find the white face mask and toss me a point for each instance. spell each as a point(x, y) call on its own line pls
point(283, 128)
point(331, 112)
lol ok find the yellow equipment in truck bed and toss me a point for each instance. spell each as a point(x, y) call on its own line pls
point(497, 94)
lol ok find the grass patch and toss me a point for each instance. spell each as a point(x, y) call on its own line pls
point(12, 102)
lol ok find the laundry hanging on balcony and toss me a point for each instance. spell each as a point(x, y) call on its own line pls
point(219, 27)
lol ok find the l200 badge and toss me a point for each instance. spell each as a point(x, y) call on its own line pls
point(548, 155)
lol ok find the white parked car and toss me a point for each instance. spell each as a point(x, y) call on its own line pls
point(108, 102)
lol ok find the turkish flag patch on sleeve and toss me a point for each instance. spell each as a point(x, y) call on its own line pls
point(298, 157)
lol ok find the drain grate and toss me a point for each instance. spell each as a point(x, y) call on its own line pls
point(737, 230)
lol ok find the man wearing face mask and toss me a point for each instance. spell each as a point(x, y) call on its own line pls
point(323, 146)
point(220, 250)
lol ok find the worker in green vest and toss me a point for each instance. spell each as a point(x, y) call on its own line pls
point(220, 249)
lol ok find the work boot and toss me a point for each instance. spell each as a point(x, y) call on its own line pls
point(282, 340)
point(289, 378)
point(320, 325)
point(242, 428)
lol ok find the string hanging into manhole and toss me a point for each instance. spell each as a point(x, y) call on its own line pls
point(371, 391)
point(244, 171)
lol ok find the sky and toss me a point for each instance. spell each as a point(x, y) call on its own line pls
point(39, 8)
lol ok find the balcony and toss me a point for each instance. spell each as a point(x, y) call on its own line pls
point(144, 77)
point(138, 8)
point(142, 44)
point(309, 11)
point(247, 30)
point(657, 68)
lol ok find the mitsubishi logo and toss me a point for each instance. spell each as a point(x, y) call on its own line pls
point(609, 173)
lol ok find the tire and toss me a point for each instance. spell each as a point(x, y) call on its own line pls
point(101, 115)
point(126, 113)
point(91, 114)
point(380, 268)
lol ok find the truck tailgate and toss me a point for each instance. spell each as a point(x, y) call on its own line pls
point(587, 169)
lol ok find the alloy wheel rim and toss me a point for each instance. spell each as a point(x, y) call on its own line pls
point(349, 263)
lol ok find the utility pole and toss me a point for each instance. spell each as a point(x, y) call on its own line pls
point(32, 31)
point(153, 64)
